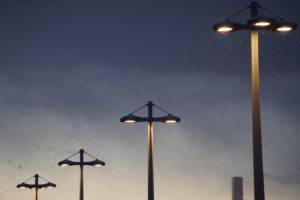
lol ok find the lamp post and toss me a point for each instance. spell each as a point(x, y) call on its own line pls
point(81, 163)
point(255, 23)
point(168, 118)
point(36, 185)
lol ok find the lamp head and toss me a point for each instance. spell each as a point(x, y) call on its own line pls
point(26, 185)
point(21, 186)
point(129, 119)
point(64, 163)
point(99, 163)
point(261, 22)
point(227, 26)
point(285, 26)
point(169, 119)
point(96, 163)
point(50, 185)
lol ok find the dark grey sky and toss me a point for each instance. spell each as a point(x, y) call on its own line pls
point(70, 69)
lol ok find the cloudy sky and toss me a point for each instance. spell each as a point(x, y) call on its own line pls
point(70, 69)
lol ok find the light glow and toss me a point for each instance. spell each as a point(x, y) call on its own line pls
point(64, 165)
point(262, 23)
point(129, 121)
point(170, 121)
point(50, 186)
point(97, 165)
point(284, 28)
point(225, 29)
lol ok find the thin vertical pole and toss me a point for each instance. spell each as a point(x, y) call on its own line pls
point(150, 162)
point(81, 175)
point(259, 193)
point(36, 182)
point(150, 152)
point(36, 194)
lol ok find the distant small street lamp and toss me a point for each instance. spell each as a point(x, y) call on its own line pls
point(81, 163)
point(257, 22)
point(36, 185)
point(168, 118)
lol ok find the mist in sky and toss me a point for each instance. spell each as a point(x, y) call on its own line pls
point(70, 69)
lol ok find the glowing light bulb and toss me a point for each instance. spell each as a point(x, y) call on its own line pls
point(225, 29)
point(129, 121)
point(284, 28)
point(262, 23)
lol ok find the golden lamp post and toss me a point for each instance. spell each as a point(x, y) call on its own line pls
point(257, 22)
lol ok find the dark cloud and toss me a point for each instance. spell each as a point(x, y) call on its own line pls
point(70, 69)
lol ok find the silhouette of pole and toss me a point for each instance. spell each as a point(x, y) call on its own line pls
point(81, 174)
point(36, 182)
point(131, 118)
point(81, 163)
point(150, 153)
point(256, 123)
point(259, 191)
point(36, 185)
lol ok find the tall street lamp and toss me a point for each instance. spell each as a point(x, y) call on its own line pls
point(36, 185)
point(81, 163)
point(168, 118)
point(258, 21)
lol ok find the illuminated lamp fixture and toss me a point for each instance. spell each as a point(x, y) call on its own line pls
point(258, 21)
point(285, 26)
point(36, 185)
point(81, 163)
point(168, 119)
point(227, 26)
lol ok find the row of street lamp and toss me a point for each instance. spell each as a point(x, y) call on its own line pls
point(36, 185)
point(168, 118)
point(258, 21)
point(66, 162)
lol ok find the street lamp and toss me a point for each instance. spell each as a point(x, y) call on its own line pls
point(81, 163)
point(168, 118)
point(257, 22)
point(36, 185)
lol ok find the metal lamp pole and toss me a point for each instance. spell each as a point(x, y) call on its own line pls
point(256, 122)
point(150, 153)
point(36, 178)
point(254, 24)
point(36, 185)
point(259, 191)
point(131, 118)
point(81, 152)
point(81, 163)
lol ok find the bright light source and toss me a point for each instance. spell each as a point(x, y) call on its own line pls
point(262, 24)
point(98, 165)
point(284, 28)
point(64, 165)
point(171, 121)
point(129, 121)
point(224, 29)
